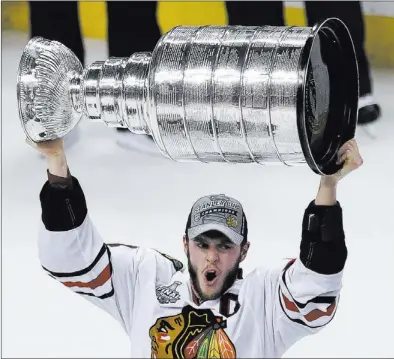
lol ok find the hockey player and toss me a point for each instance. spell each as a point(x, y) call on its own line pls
point(211, 312)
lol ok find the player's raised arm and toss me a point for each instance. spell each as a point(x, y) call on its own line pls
point(309, 286)
point(301, 297)
point(73, 252)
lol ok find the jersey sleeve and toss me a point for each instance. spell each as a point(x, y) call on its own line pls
point(292, 301)
point(306, 297)
point(301, 296)
point(303, 302)
point(73, 253)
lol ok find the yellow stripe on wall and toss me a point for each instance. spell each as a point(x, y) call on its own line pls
point(295, 16)
point(380, 40)
point(93, 19)
point(14, 15)
point(171, 14)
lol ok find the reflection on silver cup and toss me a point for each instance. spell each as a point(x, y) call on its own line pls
point(209, 93)
point(49, 90)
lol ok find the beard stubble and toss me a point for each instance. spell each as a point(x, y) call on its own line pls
point(229, 280)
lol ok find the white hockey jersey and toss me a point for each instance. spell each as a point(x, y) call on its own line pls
point(261, 316)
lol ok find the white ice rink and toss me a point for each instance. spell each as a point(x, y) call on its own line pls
point(144, 199)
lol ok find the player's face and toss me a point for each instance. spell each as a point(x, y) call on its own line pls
point(213, 265)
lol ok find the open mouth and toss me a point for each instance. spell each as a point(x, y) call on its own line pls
point(210, 276)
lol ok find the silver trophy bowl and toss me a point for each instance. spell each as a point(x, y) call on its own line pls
point(266, 95)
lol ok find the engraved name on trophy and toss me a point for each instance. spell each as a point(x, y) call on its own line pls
point(233, 94)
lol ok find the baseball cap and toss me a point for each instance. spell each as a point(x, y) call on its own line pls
point(217, 212)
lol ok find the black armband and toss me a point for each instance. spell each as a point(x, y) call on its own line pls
point(63, 208)
point(323, 249)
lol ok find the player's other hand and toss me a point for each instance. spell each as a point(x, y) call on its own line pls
point(349, 156)
point(53, 150)
point(50, 148)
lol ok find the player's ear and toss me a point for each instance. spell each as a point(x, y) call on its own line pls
point(185, 244)
point(244, 250)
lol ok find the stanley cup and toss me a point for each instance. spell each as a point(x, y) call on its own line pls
point(234, 94)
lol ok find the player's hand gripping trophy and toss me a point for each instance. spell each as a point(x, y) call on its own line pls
point(234, 94)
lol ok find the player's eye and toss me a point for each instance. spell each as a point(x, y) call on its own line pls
point(202, 245)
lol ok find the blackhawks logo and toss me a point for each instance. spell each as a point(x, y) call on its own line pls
point(191, 334)
point(231, 221)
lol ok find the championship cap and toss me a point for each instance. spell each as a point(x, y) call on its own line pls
point(220, 213)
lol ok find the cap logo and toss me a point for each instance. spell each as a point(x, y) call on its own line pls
point(231, 221)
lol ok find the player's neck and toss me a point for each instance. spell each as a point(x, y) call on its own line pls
point(196, 298)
